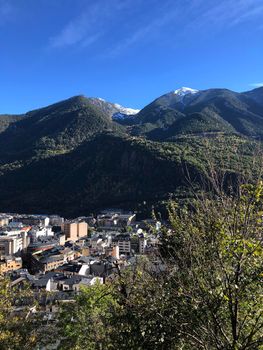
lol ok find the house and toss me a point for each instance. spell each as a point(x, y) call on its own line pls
point(76, 282)
point(69, 269)
point(52, 262)
point(50, 281)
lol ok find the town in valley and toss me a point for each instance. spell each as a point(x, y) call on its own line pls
point(59, 256)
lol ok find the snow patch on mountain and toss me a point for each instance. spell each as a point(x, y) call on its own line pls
point(127, 111)
point(183, 91)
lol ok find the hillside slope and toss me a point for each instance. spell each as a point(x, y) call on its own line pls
point(72, 158)
point(55, 129)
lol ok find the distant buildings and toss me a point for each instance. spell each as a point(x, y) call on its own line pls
point(138, 243)
point(112, 219)
point(33, 220)
point(56, 220)
point(61, 256)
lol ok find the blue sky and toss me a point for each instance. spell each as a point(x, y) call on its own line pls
point(126, 51)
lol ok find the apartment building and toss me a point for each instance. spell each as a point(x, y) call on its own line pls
point(10, 245)
point(123, 241)
point(75, 230)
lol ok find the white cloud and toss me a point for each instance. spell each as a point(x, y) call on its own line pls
point(256, 85)
point(198, 15)
point(76, 31)
point(213, 16)
point(251, 13)
point(167, 14)
point(182, 17)
point(147, 30)
point(88, 27)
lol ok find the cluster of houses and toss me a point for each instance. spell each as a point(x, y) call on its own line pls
point(59, 256)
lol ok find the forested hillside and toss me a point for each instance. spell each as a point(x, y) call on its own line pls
point(72, 157)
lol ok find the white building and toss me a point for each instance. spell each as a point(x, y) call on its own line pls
point(12, 242)
point(37, 232)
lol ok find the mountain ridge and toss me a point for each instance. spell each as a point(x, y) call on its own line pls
point(241, 113)
point(72, 156)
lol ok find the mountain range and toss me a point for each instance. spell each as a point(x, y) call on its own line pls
point(82, 154)
point(188, 111)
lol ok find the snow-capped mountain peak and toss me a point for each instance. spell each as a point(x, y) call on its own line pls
point(127, 111)
point(185, 91)
point(114, 110)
